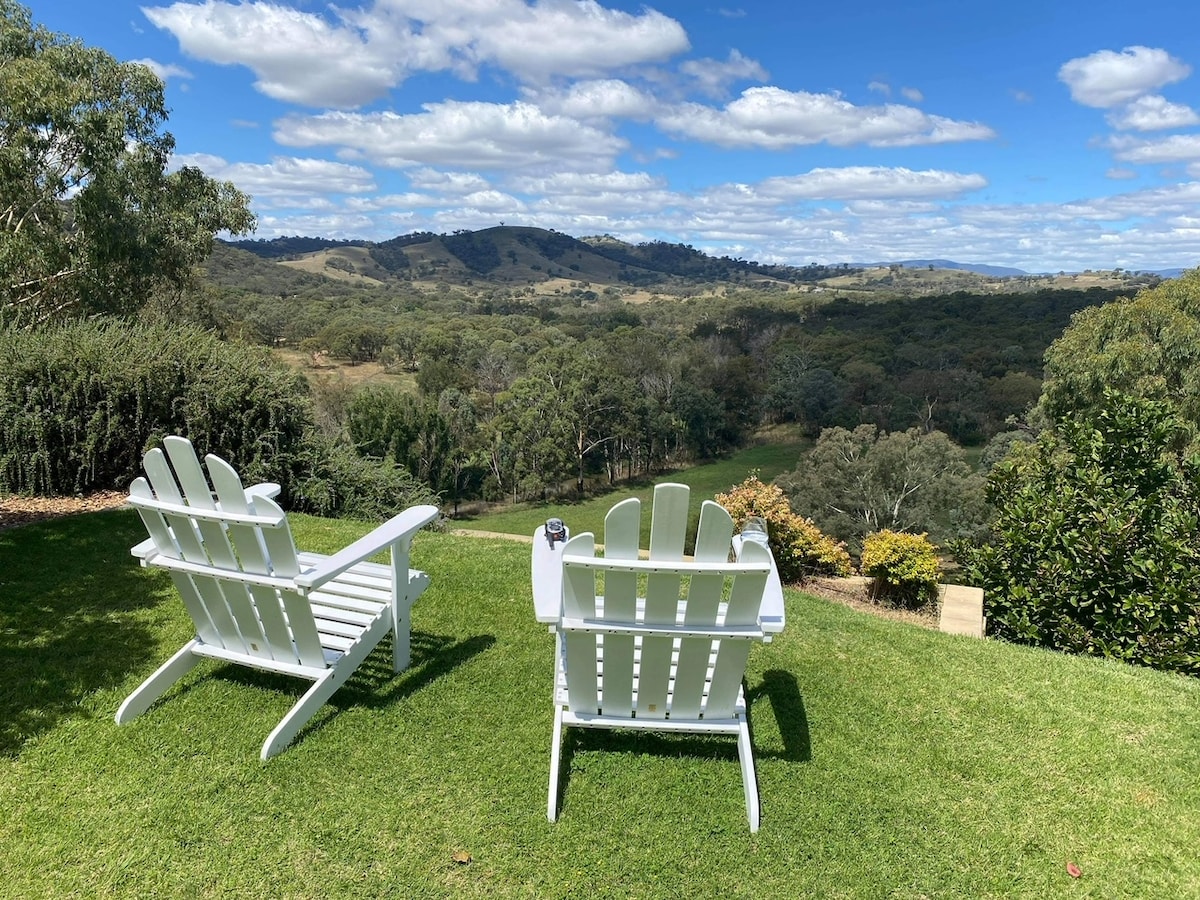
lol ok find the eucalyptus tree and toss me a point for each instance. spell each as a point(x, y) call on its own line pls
point(91, 220)
point(1147, 346)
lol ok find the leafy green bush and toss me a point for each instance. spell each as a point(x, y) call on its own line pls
point(80, 403)
point(801, 551)
point(1093, 549)
point(904, 567)
point(333, 480)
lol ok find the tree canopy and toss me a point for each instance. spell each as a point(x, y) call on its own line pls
point(1147, 346)
point(91, 218)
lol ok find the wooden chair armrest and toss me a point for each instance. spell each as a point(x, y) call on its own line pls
point(398, 528)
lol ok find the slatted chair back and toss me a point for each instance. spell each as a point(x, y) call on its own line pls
point(239, 548)
point(659, 643)
point(663, 637)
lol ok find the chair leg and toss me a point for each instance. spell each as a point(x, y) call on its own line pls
point(749, 782)
point(157, 684)
point(555, 761)
point(401, 636)
point(314, 698)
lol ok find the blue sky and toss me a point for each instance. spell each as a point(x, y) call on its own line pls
point(1042, 134)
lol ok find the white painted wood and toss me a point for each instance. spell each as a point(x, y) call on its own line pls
point(254, 600)
point(673, 660)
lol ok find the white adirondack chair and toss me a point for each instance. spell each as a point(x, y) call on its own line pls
point(253, 598)
point(673, 659)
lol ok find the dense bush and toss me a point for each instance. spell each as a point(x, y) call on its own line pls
point(1093, 549)
point(801, 551)
point(80, 403)
point(904, 568)
point(333, 480)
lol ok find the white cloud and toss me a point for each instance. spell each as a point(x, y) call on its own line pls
point(599, 99)
point(1106, 78)
point(358, 55)
point(469, 135)
point(1176, 148)
point(911, 94)
point(297, 56)
point(284, 176)
point(164, 71)
point(880, 87)
point(714, 76)
point(856, 182)
point(453, 183)
point(1152, 113)
point(1119, 174)
point(773, 118)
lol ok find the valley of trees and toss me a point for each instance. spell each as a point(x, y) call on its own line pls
point(518, 395)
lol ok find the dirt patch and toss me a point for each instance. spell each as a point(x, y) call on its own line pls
point(16, 511)
point(855, 593)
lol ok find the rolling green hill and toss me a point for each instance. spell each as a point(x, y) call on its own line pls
point(515, 257)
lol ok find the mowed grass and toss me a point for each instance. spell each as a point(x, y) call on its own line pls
point(893, 761)
point(779, 452)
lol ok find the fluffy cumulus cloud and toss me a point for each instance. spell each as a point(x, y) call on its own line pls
point(470, 135)
point(297, 57)
point(285, 176)
point(350, 57)
point(713, 76)
point(596, 99)
point(1152, 113)
point(774, 118)
point(1106, 78)
point(1173, 149)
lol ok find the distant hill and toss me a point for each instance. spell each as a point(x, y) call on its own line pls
point(980, 268)
point(521, 257)
point(524, 255)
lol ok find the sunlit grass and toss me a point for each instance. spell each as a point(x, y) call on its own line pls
point(893, 761)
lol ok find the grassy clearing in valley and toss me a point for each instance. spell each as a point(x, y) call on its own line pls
point(893, 761)
point(779, 453)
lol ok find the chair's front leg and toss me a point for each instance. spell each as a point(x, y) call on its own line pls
point(405, 590)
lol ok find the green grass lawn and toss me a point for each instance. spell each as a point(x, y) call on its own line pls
point(779, 453)
point(893, 761)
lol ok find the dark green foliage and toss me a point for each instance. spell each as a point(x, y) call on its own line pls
point(80, 403)
point(388, 424)
point(1093, 549)
point(283, 247)
point(475, 249)
point(334, 480)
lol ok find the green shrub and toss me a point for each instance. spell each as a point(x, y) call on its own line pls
point(904, 568)
point(801, 551)
point(80, 403)
point(334, 480)
point(1093, 549)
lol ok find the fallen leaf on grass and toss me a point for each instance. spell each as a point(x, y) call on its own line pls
point(462, 857)
point(1073, 870)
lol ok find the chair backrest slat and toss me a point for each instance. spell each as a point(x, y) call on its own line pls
point(622, 527)
point(714, 535)
point(579, 584)
point(668, 521)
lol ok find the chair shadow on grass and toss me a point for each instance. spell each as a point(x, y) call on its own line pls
point(373, 685)
point(777, 686)
point(72, 618)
